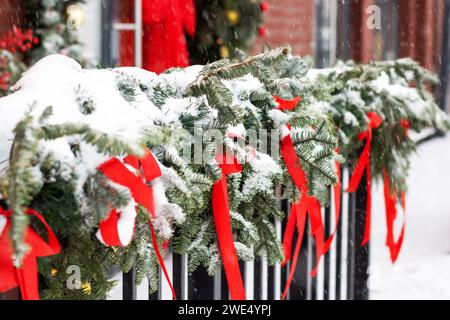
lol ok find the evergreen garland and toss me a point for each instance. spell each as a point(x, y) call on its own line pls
point(395, 90)
point(174, 109)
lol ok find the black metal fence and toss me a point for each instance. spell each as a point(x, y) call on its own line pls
point(342, 274)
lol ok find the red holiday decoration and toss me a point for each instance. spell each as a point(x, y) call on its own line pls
point(18, 40)
point(221, 212)
point(26, 276)
point(306, 206)
point(390, 200)
point(264, 6)
point(141, 192)
point(262, 31)
point(362, 165)
point(406, 125)
point(164, 25)
point(15, 41)
point(5, 77)
point(287, 104)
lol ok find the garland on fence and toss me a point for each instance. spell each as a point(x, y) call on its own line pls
point(122, 171)
point(374, 107)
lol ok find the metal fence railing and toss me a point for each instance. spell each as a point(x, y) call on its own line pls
point(342, 273)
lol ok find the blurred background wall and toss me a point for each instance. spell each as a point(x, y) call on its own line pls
point(328, 30)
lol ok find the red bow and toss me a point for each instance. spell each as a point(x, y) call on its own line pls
point(141, 192)
point(26, 276)
point(221, 212)
point(364, 164)
point(287, 104)
point(164, 26)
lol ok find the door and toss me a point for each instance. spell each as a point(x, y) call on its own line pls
point(122, 33)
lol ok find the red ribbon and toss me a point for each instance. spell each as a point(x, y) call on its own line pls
point(287, 104)
point(307, 206)
point(141, 192)
point(221, 212)
point(26, 276)
point(362, 165)
point(109, 231)
point(390, 199)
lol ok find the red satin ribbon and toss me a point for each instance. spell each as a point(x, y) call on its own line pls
point(109, 231)
point(26, 276)
point(362, 165)
point(287, 104)
point(141, 192)
point(390, 199)
point(221, 212)
point(297, 218)
point(298, 213)
point(307, 206)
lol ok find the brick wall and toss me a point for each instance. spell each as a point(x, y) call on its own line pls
point(289, 21)
point(361, 37)
point(293, 22)
point(421, 31)
point(9, 15)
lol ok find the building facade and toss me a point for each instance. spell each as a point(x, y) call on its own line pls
point(361, 30)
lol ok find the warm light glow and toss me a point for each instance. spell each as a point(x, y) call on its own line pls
point(75, 15)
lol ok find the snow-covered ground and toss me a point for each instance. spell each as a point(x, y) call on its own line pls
point(422, 270)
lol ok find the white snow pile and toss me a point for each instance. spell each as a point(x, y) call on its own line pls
point(61, 83)
point(53, 81)
point(422, 270)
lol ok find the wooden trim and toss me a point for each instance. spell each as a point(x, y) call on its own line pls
point(361, 37)
point(408, 26)
point(424, 33)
